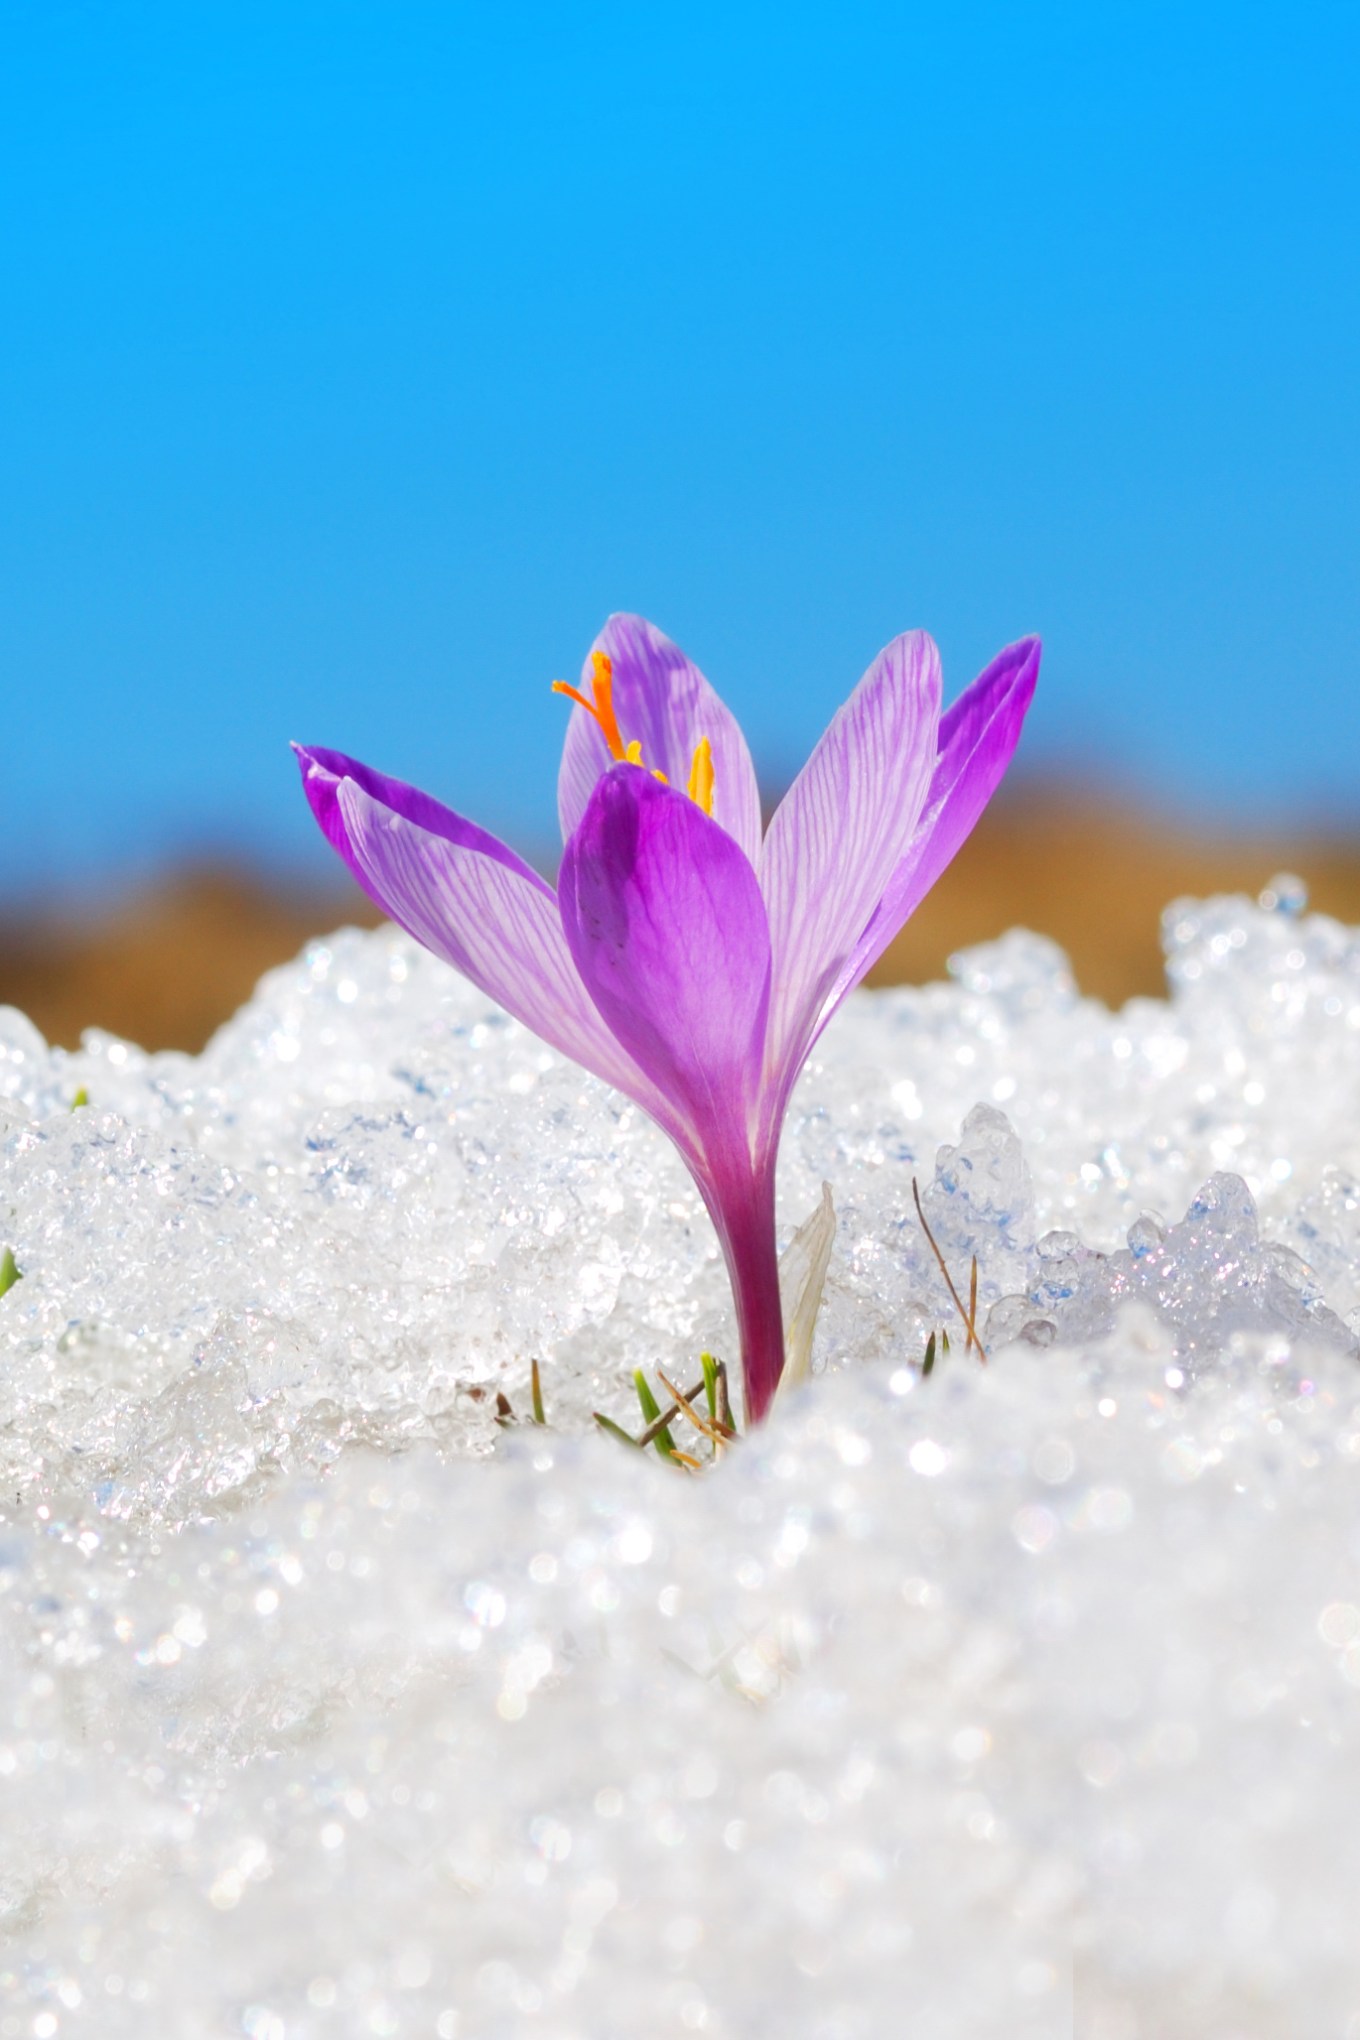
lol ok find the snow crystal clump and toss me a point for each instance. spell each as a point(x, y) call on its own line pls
point(1023, 1698)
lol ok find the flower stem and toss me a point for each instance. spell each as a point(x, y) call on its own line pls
point(745, 1222)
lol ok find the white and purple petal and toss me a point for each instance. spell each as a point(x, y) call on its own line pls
point(663, 703)
point(839, 834)
point(978, 736)
point(322, 772)
point(480, 908)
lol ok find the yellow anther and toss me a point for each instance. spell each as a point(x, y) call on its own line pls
point(633, 756)
point(701, 776)
point(602, 705)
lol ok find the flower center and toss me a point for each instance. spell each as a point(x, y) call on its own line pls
point(601, 706)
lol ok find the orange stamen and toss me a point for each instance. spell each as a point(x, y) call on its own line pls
point(701, 776)
point(602, 706)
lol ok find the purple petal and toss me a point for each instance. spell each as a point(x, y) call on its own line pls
point(488, 915)
point(839, 834)
point(665, 920)
point(322, 772)
point(662, 702)
point(978, 736)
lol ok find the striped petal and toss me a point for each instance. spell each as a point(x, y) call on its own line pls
point(476, 905)
point(839, 834)
point(663, 703)
point(978, 736)
point(322, 772)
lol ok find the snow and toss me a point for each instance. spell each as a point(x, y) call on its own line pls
point(1021, 1699)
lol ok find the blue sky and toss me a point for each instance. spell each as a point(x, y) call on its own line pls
point(356, 360)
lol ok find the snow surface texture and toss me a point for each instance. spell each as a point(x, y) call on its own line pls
point(1019, 1701)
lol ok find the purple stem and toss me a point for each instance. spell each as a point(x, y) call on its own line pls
point(742, 1206)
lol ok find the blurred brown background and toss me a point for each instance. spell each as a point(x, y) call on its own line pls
point(167, 967)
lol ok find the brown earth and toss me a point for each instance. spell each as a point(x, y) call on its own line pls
point(168, 966)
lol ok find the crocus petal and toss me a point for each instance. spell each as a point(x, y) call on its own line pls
point(663, 703)
point(839, 834)
point(492, 918)
point(978, 736)
point(322, 772)
point(665, 920)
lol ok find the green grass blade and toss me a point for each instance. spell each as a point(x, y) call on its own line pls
point(10, 1271)
point(615, 1430)
point(710, 1367)
point(651, 1410)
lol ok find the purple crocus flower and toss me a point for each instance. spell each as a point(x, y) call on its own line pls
point(683, 958)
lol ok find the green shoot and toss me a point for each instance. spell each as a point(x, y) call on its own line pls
point(10, 1271)
point(616, 1430)
point(725, 1420)
point(82, 1097)
point(927, 1365)
point(717, 1430)
point(651, 1410)
point(536, 1393)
